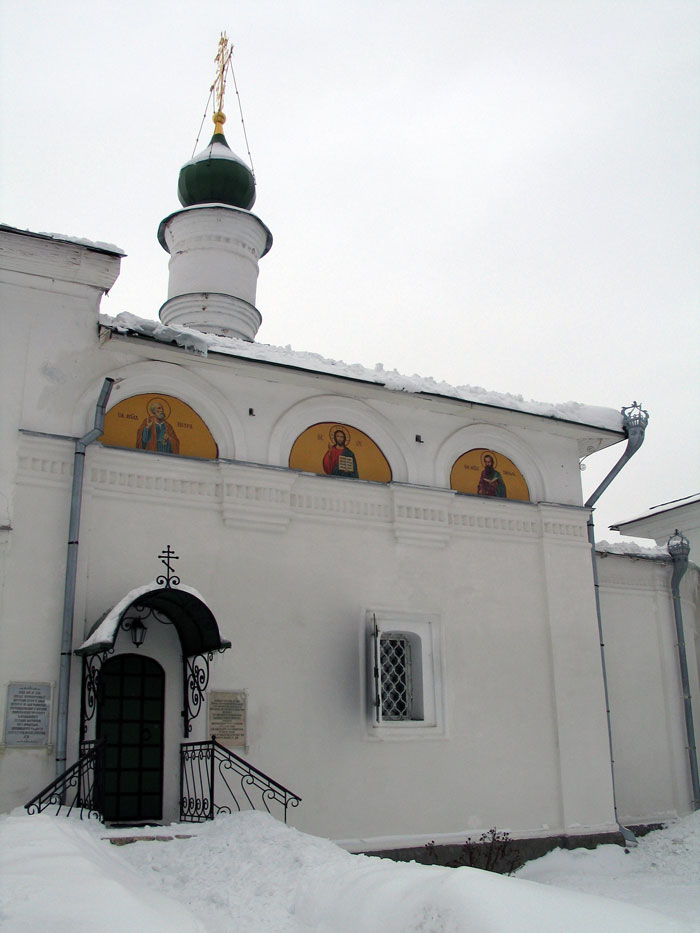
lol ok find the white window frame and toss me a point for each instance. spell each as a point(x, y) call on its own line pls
point(424, 632)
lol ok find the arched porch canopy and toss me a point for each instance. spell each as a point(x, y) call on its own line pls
point(183, 606)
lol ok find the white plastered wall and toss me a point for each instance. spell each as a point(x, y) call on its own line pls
point(346, 548)
point(284, 402)
point(496, 575)
point(649, 738)
point(50, 293)
point(290, 563)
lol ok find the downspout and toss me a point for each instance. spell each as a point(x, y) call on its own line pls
point(71, 573)
point(634, 421)
point(679, 549)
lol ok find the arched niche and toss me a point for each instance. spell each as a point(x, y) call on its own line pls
point(158, 423)
point(482, 471)
point(334, 409)
point(337, 449)
point(140, 378)
point(499, 440)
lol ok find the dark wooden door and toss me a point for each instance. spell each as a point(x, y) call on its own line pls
point(130, 719)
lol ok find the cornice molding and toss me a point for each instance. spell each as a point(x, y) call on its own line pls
point(256, 498)
point(56, 261)
point(333, 499)
point(269, 498)
point(421, 516)
point(44, 461)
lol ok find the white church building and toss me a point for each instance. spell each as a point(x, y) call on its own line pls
point(375, 590)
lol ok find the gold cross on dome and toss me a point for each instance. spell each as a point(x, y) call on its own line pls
point(223, 56)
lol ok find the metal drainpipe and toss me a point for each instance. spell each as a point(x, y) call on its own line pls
point(679, 549)
point(634, 421)
point(71, 573)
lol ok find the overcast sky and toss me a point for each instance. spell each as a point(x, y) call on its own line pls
point(500, 193)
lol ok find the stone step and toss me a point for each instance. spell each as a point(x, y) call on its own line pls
point(127, 840)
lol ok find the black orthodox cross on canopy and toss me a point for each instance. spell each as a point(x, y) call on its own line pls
point(169, 579)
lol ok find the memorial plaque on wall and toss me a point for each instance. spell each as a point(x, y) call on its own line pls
point(227, 717)
point(27, 714)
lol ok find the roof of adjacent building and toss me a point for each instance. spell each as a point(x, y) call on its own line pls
point(661, 509)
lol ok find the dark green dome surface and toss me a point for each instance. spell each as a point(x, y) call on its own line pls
point(216, 175)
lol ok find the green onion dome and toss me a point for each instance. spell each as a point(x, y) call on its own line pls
point(216, 175)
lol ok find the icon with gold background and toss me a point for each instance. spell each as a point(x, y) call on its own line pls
point(334, 449)
point(483, 472)
point(161, 424)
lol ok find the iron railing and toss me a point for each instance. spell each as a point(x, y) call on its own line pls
point(214, 780)
point(78, 788)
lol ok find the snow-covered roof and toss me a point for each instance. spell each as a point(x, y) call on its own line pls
point(65, 238)
point(660, 510)
point(632, 549)
point(105, 632)
point(196, 341)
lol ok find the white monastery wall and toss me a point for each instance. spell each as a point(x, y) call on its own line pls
point(299, 645)
point(49, 301)
point(223, 389)
point(293, 565)
point(649, 738)
point(31, 608)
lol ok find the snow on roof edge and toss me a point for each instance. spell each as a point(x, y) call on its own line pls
point(105, 632)
point(632, 549)
point(596, 416)
point(98, 245)
point(660, 509)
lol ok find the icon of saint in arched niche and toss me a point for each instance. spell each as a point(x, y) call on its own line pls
point(333, 449)
point(491, 482)
point(155, 431)
point(339, 460)
point(160, 424)
point(482, 472)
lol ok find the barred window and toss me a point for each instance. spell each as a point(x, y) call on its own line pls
point(396, 676)
point(405, 684)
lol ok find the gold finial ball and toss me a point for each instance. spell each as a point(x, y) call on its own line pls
point(219, 117)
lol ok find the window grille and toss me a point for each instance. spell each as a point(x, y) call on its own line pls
point(396, 676)
point(404, 675)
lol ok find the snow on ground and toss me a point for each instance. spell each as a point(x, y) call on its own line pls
point(661, 873)
point(252, 874)
point(58, 874)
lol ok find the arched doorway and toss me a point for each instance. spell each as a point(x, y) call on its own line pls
point(136, 707)
point(130, 708)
